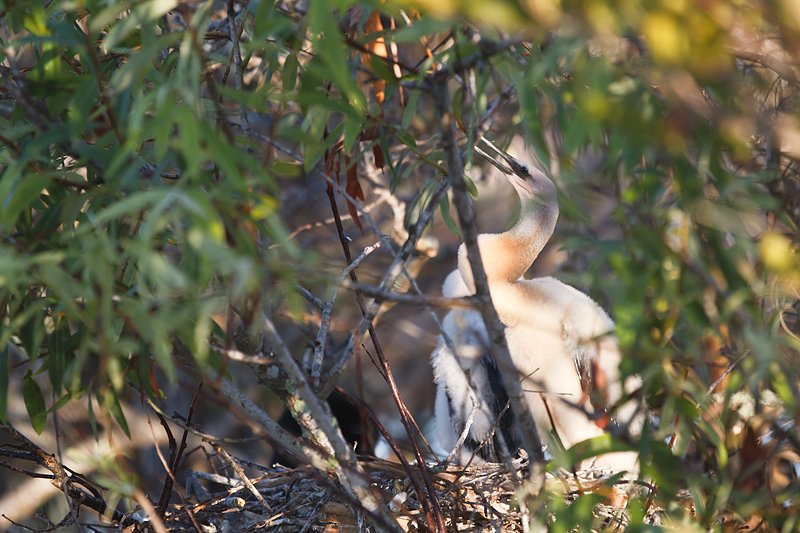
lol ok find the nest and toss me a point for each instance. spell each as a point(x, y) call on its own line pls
point(479, 498)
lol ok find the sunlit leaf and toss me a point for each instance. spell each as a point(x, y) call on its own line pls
point(112, 402)
point(144, 12)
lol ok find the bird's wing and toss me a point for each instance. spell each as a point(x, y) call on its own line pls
point(588, 332)
point(501, 411)
point(469, 382)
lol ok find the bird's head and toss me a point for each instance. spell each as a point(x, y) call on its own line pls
point(532, 185)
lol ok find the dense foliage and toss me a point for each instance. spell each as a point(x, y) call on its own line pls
point(144, 148)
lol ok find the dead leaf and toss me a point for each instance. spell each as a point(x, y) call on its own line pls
point(154, 382)
point(754, 457)
point(353, 188)
point(380, 159)
point(377, 48)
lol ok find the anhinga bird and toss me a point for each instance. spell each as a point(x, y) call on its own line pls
point(560, 341)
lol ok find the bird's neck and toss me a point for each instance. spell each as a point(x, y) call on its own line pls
point(507, 256)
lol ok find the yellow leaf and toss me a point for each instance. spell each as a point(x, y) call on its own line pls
point(667, 38)
point(777, 253)
point(790, 10)
point(545, 12)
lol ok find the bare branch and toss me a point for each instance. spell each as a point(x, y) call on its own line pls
point(240, 472)
point(412, 299)
point(60, 478)
point(315, 416)
point(430, 504)
point(531, 440)
point(319, 344)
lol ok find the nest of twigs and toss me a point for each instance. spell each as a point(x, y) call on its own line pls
point(478, 498)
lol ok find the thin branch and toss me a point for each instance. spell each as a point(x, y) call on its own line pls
point(466, 302)
point(430, 504)
point(270, 430)
point(255, 360)
point(778, 66)
point(531, 440)
point(315, 412)
point(322, 334)
point(240, 472)
point(386, 435)
point(724, 374)
point(238, 71)
point(147, 506)
point(395, 269)
point(390, 61)
point(175, 460)
point(309, 296)
point(331, 220)
point(486, 49)
point(462, 438)
point(60, 479)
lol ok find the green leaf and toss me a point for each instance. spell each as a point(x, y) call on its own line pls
point(444, 207)
point(22, 197)
point(471, 188)
point(226, 156)
point(332, 61)
point(116, 411)
point(146, 12)
point(406, 138)
point(411, 109)
point(421, 28)
point(140, 63)
point(286, 169)
point(289, 77)
point(33, 331)
point(34, 402)
point(190, 140)
point(352, 129)
point(593, 447)
point(314, 98)
point(57, 346)
point(128, 206)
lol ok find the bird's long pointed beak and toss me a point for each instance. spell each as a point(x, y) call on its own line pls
point(529, 182)
point(515, 167)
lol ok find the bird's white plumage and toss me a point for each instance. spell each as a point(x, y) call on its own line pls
point(466, 330)
point(555, 335)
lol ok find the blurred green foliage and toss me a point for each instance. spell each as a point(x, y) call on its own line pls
point(144, 146)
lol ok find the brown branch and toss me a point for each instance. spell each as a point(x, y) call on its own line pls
point(176, 456)
point(486, 49)
point(390, 61)
point(327, 310)
point(430, 505)
point(236, 52)
point(267, 429)
point(466, 302)
point(782, 68)
point(60, 478)
point(166, 490)
point(313, 413)
point(242, 476)
point(396, 267)
point(531, 440)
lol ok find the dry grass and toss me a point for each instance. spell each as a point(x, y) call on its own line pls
point(479, 498)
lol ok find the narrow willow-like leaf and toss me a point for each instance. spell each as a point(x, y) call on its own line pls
point(34, 402)
point(112, 402)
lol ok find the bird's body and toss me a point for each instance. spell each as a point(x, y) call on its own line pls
point(559, 339)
